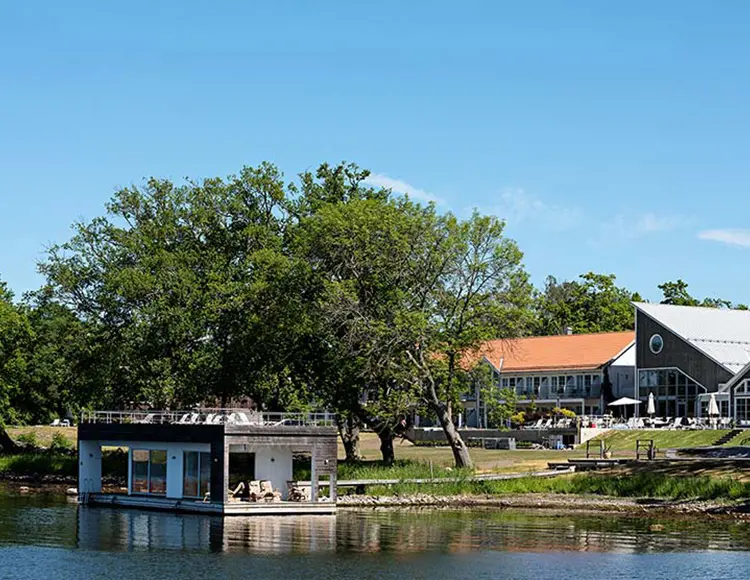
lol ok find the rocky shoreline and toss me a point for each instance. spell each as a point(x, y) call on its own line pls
point(556, 503)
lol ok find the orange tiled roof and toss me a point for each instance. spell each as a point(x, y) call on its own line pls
point(553, 353)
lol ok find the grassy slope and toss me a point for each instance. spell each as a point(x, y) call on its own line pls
point(626, 440)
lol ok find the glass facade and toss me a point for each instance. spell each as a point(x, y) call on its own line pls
point(742, 403)
point(554, 386)
point(196, 474)
point(149, 471)
point(674, 392)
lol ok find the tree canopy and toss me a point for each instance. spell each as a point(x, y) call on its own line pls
point(323, 292)
point(593, 303)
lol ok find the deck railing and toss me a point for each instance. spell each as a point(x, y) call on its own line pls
point(212, 417)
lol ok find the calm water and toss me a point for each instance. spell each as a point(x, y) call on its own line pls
point(49, 537)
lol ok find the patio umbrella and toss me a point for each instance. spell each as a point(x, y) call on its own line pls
point(713, 408)
point(651, 408)
point(623, 402)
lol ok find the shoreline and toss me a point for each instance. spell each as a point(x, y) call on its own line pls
point(557, 503)
point(546, 503)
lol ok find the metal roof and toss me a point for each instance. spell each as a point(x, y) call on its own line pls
point(722, 334)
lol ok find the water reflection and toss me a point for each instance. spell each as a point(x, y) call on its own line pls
point(400, 532)
point(116, 530)
point(51, 521)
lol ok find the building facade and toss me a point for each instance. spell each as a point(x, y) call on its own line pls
point(566, 371)
point(686, 354)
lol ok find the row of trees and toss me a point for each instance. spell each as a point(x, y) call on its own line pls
point(322, 293)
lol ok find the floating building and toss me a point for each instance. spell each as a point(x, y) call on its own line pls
point(221, 461)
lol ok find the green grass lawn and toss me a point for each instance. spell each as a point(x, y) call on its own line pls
point(638, 485)
point(663, 439)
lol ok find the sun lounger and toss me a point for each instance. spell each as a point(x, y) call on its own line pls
point(55, 423)
point(268, 493)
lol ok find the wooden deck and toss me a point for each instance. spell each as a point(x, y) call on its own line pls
point(239, 508)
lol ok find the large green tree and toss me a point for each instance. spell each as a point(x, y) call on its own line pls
point(15, 340)
point(677, 293)
point(186, 290)
point(407, 292)
point(593, 303)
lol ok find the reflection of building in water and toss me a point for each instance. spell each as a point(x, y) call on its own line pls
point(112, 530)
point(398, 532)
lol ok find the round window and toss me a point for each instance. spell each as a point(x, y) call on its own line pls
point(656, 344)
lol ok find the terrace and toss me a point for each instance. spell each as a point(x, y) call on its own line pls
point(219, 416)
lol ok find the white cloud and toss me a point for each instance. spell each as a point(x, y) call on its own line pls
point(517, 206)
point(630, 228)
point(732, 237)
point(399, 186)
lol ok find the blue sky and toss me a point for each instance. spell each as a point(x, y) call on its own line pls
point(613, 137)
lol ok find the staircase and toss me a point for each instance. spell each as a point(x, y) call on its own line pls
point(727, 437)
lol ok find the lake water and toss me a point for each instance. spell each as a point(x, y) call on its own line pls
point(49, 537)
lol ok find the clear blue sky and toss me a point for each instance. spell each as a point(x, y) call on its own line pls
point(614, 137)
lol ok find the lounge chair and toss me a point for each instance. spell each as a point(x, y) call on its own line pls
point(184, 419)
point(55, 423)
point(267, 492)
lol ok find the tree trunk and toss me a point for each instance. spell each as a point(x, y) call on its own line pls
point(7, 445)
point(460, 451)
point(386, 445)
point(385, 433)
point(349, 432)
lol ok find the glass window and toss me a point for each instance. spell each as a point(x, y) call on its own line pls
point(579, 382)
point(149, 471)
point(139, 475)
point(196, 477)
point(505, 382)
point(190, 474)
point(587, 381)
point(158, 475)
point(205, 471)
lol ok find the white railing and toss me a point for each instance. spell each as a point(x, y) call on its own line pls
point(212, 417)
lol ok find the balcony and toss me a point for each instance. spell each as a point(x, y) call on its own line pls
point(594, 391)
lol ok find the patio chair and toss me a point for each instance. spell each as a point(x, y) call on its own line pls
point(267, 493)
point(55, 423)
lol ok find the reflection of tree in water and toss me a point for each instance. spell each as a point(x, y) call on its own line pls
point(456, 531)
point(42, 521)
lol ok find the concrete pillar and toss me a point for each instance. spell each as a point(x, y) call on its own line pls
point(332, 490)
point(313, 477)
point(89, 467)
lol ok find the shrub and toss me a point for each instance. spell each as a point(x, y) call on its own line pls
point(60, 443)
point(518, 418)
point(29, 438)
